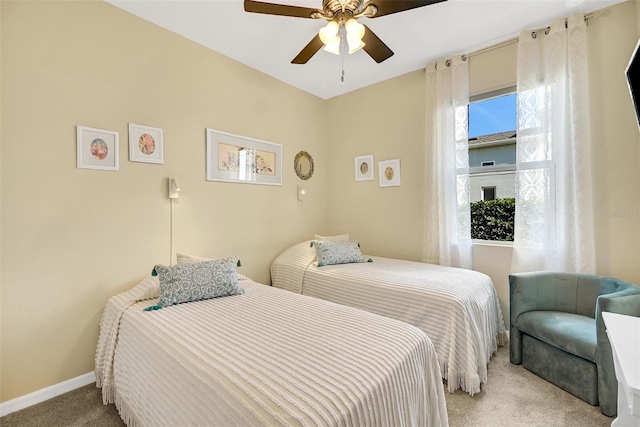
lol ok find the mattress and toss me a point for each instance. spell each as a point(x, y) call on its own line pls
point(458, 309)
point(267, 357)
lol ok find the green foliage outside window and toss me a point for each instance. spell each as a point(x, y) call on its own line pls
point(493, 219)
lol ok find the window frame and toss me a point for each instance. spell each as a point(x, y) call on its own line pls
point(512, 89)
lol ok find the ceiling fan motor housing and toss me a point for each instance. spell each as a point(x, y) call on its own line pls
point(336, 7)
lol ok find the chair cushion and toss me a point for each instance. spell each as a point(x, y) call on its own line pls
point(570, 332)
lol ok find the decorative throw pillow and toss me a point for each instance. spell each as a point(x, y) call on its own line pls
point(197, 281)
point(330, 253)
point(337, 238)
point(189, 259)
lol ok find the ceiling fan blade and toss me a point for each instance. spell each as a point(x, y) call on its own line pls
point(375, 47)
point(309, 50)
point(279, 9)
point(387, 7)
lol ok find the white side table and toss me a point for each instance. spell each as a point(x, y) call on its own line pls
point(624, 335)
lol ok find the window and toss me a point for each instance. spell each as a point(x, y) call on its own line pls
point(492, 169)
point(488, 193)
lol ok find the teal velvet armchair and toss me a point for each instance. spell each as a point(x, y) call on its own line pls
point(557, 331)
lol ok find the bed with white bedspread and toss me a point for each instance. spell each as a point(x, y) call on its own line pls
point(457, 308)
point(267, 357)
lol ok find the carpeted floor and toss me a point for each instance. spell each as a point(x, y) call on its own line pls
point(515, 397)
point(512, 397)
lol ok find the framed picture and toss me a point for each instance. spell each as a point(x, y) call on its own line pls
point(145, 144)
point(364, 168)
point(234, 158)
point(97, 148)
point(389, 173)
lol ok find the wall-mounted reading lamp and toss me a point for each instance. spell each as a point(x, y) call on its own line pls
point(174, 188)
point(174, 194)
point(301, 193)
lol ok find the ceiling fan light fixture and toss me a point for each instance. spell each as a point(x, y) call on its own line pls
point(329, 33)
point(340, 14)
point(355, 46)
point(355, 30)
point(333, 47)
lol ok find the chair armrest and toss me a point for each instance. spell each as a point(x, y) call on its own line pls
point(523, 297)
point(524, 292)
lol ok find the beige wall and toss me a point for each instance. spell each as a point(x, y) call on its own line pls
point(385, 120)
point(617, 149)
point(388, 221)
point(71, 238)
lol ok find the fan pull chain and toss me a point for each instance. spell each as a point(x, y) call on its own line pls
point(344, 48)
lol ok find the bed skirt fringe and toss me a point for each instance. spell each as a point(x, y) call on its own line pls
point(503, 338)
point(108, 393)
point(469, 382)
point(125, 413)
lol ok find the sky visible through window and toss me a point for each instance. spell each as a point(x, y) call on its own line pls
point(492, 115)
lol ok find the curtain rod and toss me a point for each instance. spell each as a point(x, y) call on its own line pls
point(587, 16)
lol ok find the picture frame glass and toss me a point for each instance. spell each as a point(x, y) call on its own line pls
point(364, 168)
point(146, 144)
point(389, 173)
point(97, 148)
point(235, 158)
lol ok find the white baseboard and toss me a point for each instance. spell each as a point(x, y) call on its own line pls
point(46, 393)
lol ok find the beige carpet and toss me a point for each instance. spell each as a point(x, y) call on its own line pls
point(512, 397)
point(515, 397)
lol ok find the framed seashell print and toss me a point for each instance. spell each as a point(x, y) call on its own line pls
point(389, 173)
point(364, 168)
point(97, 148)
point(145, 144)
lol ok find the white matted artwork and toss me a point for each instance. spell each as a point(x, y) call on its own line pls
point(389, 173)
point(97, 148)
point(145, 144)
point(364, 168)
point(235, 158)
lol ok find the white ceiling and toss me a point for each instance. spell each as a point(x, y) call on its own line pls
point(268, 43)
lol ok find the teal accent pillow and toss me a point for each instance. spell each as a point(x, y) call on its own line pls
point(197, 281)
point(330, 253)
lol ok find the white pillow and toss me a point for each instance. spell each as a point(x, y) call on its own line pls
point(190, 259)
point(337, 238)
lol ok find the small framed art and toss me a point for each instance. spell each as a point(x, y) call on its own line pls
point(145, 144)
point(389, 173)
point(364, 168)
point(235, 158)
point(97, 148)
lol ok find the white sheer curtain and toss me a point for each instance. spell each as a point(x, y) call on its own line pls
point(554, 208)
point(447, 227)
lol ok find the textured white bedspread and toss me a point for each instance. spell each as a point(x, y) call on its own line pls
point(457, 308)
point(267, 357)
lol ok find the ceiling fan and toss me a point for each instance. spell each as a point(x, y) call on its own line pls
point(343, 33)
